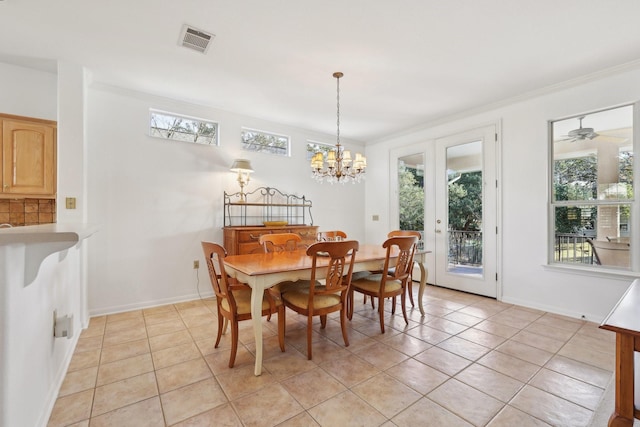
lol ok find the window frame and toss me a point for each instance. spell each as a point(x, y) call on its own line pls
point(634, 203)
point(287, 152)
point(215, 140)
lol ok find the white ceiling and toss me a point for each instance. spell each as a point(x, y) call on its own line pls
point(405, 62)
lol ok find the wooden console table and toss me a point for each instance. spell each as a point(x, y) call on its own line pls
point(624, 320)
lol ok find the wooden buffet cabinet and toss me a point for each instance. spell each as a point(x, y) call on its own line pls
point(245, 216)
point(244, 240)
point(27, 157)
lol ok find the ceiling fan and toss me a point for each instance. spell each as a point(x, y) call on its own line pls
point(581, 133)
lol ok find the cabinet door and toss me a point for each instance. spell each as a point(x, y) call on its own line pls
point(29, 158)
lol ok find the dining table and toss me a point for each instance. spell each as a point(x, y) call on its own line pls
point(264, 270)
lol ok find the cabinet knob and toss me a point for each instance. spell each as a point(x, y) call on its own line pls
point(6, 186)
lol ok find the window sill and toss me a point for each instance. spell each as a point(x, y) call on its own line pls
point(593, 272)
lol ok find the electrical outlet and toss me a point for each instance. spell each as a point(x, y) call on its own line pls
point(196, 264)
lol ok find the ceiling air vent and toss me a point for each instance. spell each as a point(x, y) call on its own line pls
point(195, 39)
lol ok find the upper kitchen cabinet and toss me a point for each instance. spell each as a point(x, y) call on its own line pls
point(28, 157)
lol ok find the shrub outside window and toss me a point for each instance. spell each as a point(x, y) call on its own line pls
point(265, 142)
point(315, 147)
point(182, 128)
point(592, 189)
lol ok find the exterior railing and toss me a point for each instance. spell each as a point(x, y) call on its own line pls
point(465, 247)
point(572, 249)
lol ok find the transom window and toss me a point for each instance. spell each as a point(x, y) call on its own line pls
point(182, 128)
point(314, 147)
point(265, 142)
point(592, 189)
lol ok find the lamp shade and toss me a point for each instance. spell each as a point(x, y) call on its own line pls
point(241, 165)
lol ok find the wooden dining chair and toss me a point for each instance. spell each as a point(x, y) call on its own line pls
point(330, 295)
point(417, 234)
point(390, 282)
point(234, 300)
point(327, 236)
point(279, 242)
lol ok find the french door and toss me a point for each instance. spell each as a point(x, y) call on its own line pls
point(466, 210)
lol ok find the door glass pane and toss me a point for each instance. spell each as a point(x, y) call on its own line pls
point(464, 231)
point(593, 188)
point(411, 195)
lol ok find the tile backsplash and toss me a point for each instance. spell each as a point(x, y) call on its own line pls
point(21, 212)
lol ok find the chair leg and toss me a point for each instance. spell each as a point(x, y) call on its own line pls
point(350, 304)
point(323, 321)
point(220, 326)
point(343, 325)
point(234, 343)
point(381, 311)
point(410, 286)
point(281, 325)
point(309, 324)
point(393, 307)
point(403, 301)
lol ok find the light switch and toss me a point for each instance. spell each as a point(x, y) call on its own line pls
point(71, 202)
point(375, 218)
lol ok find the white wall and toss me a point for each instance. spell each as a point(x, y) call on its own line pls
point(32, 362)
point(524, 149)
point(156, 200)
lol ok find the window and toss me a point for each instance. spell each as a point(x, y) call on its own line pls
point(182, 128)
point(314, 147)
point(592, 189)
point(265, 142)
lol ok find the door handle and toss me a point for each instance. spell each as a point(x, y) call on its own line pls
point(438, 231)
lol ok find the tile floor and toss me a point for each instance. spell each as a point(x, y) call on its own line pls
point(471, 361)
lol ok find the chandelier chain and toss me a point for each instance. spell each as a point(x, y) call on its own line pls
point(338, 109)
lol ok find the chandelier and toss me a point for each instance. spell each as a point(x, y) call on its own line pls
point(338, 166)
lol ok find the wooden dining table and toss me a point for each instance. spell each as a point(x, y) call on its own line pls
point(263, 270)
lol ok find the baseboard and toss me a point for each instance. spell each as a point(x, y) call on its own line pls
point(591, 317)
point(148, 304)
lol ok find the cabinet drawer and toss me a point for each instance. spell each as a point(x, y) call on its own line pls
point(249, 248)
point(251, 235)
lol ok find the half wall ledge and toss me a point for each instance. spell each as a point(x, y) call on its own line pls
point(40, 241)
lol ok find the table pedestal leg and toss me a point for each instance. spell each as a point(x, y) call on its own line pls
point(423, 284)
point(624, 407)
point(257, 292)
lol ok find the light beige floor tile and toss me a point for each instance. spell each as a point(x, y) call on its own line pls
point(84, 423)
point(89, 344)
point(124, 351)
point(443, 360)
point(174, 355)
point(83, 360)
point(406, 344)
point(350, 370)
point(428, 413)
point(549, 331)
point(165, 327)
point(72, 408)
point(240, 381)
point(496, 328)
point(160, 317)
point(223, 415)
point(158, 309)
point(550, 409)
point(593, 330)
point(194, 311)
point(508, 320)
point(147, 413)
point(171, 339)
point(568, 388)
point(205, 331)
point(381, 356)
point(538, 341)
point(301, 420)
point(346, 409)
point(127, 315)
point(466, 402)
point(95, 328)
point(448, 326)
point(510, 366)
point(428, 334)
point(436, 309)
point(124, 335)
point(124, 368)
point(464, 348)
point(523, 313)
point(207, 346)
point(490, 382)
point(525, 352)
point(481, 337)
point(80, 380)
point(560, 322)
point(386, 394)
point(465, 319)
point(193, 399)
point(512, 417)
point(588, 355)
point(203, 319)
point(593, 343)
point(480, 311)
point(182, 374)
point(313, 387)
point(417, 375)
point(122, 393)
point(580, 371)
point(288, 364)
point(268, 406)
point(115, 326)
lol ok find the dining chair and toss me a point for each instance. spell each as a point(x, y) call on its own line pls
point(390, 282)
point(320, 298)
point(327, 236)
point(279, 242)
point(396, 233)
point(234, 300)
